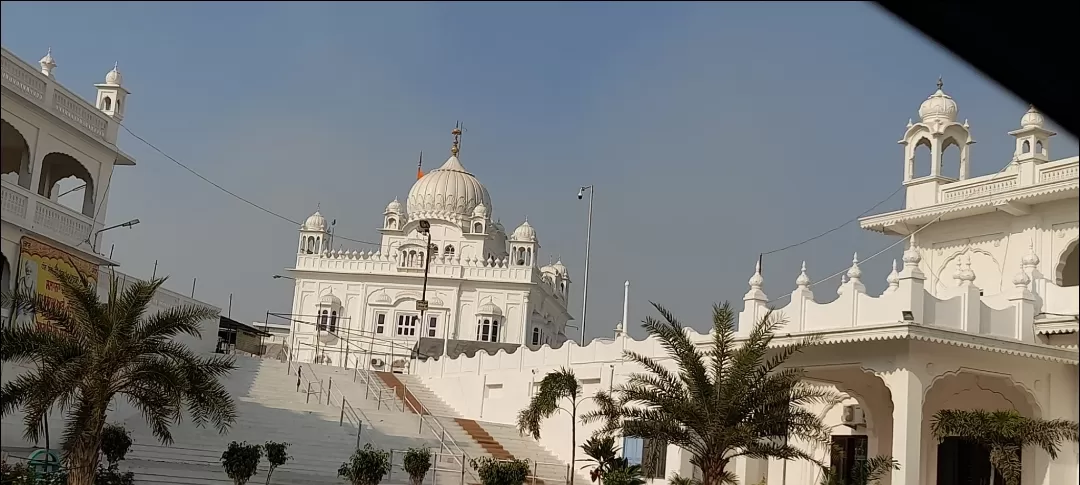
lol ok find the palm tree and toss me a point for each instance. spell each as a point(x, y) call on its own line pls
point(602, 454)
point(866, 472)
point(555, 387)
point(1004, 434)
point(89, 351)
point(725, 401)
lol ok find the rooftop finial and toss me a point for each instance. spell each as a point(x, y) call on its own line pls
point(940, 82)
point(456, 147)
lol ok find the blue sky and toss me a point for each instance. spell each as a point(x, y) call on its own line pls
point(713, 131)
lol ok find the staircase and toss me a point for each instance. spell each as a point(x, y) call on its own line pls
point(474, 438)
point(320, 428)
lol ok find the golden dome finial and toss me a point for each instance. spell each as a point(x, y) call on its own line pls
point(456, 147)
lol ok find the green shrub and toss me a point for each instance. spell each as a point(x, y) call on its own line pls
point(501, 472)
point(366, 467)
point(113, 476)
point(276, 455)
point(417, 462)
point(241, 461)
point(115, 443)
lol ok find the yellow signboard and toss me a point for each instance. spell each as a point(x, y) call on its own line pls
point(37, 265)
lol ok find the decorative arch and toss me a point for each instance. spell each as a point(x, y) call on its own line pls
point(1067, 269)
point(15, 156)
point(951, 261)
point(56, 168)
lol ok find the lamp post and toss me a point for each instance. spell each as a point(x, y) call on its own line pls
point(93, 245)
point(422, 304)
point(588, 241)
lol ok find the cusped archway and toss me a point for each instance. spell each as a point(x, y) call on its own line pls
point(14, 156)
point(1067, 272)
point(66, 180)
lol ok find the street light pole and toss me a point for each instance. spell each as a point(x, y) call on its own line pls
point(93, 244)
point(588, 246)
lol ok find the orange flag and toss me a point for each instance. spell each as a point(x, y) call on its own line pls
point(420, 171)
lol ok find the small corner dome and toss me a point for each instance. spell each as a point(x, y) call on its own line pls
point(316, 222)
point(394, 207)
point(480, 210)
point(938, 107)
point(1032, 119)
point(489, 308)
point(524, 232)
point(559, 267)
point(114, 76)
point(330, 300)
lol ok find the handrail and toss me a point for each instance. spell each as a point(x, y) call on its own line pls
point(441, 434)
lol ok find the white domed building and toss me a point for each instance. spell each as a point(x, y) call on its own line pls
point(484, 288)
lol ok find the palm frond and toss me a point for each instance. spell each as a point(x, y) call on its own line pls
point(554, 387)
point(85, 352)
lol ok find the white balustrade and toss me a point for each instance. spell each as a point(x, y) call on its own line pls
point(50, 96)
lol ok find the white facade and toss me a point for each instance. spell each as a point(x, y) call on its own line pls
point(54, 142)
point(359, 308)
point(980, 314)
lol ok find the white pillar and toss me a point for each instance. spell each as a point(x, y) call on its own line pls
point(626, 305)
point(907, 388)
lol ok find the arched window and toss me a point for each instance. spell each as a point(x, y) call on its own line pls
point(521, 256)
point(478, 228)
point(333, 321)
point(391, 223)
point(536, 336)
point(449, 251)
point(310, 244)
point(106, 103)
point(1025, 147)
point(1039, 148)
point(324, 319)
point(487, 330)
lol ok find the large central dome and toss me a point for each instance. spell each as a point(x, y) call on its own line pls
point(448, 188)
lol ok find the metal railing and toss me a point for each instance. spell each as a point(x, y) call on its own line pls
point(313, 385)
point(446, 440)
point(534, 476)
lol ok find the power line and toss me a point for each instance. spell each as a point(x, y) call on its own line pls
point(837, 228)
point(227, 191)
point(901, 240)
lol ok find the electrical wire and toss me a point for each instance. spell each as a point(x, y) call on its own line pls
point(944, 211)
point(837, 228)
point(227, 191)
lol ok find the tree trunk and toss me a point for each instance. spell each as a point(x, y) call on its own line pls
point(573, 443)
point(84, 455)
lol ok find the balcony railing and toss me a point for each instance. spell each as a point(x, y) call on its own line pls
point(49, 218)
point(49, 95)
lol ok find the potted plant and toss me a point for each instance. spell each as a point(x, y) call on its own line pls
point(417, 462)
point(276, 455)
point(501, 472)
point(366, 467)
point(622, 472)
point(241, 461)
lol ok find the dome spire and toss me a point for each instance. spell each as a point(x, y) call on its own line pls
point(456, 147)
point(940, 83)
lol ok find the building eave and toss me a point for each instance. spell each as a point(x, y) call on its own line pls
point(903, 222)
point(907, 331)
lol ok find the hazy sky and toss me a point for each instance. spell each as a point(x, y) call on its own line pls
point(713, 132)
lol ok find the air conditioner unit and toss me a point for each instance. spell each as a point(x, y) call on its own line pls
point(853, 416)
point(377, 363)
